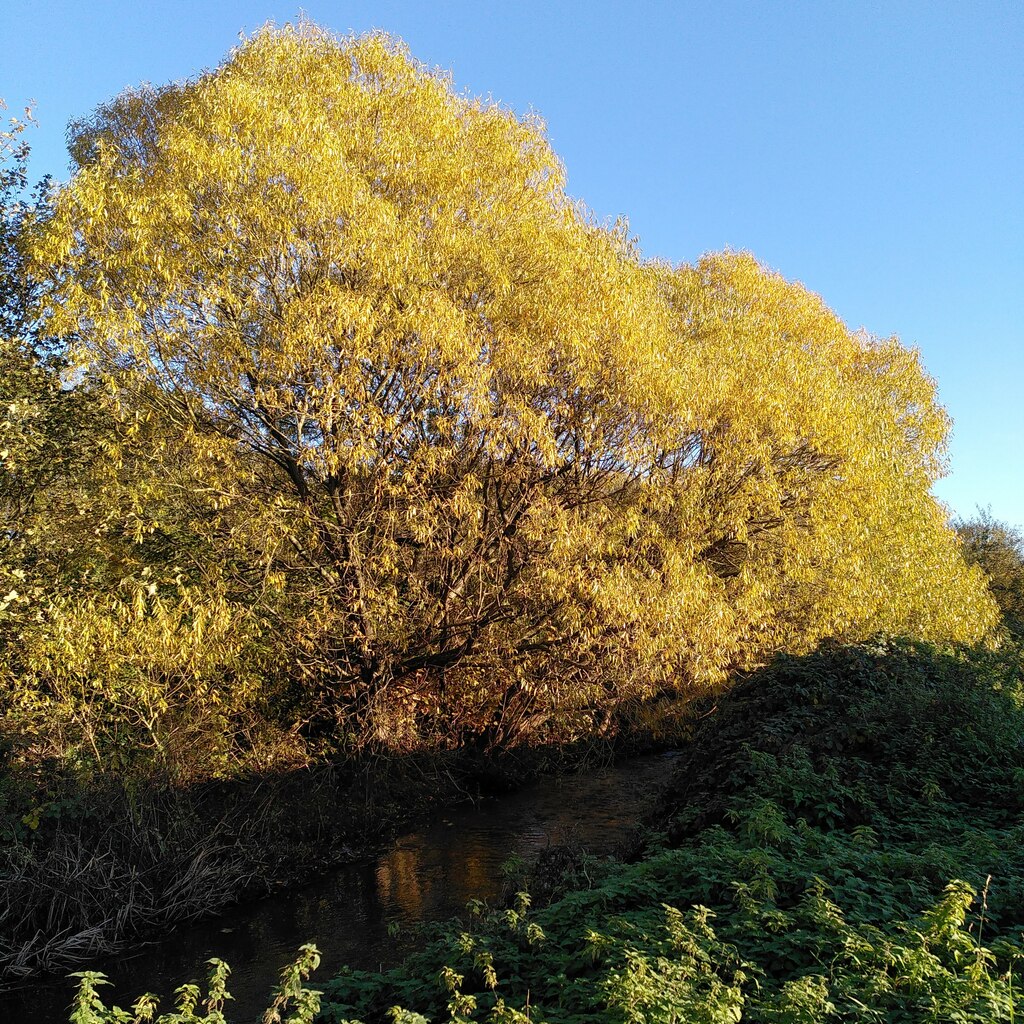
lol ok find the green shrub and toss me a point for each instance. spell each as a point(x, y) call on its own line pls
point(801, 872)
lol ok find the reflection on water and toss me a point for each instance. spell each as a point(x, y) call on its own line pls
point(425, 875)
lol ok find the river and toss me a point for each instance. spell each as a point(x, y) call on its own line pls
point(424, 875)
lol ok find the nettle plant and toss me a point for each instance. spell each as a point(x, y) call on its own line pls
point(292, 1003)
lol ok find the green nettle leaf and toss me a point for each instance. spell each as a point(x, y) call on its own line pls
point(301, 1004)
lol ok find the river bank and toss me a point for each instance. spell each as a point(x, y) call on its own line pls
point(370, 912)
point(842, 841)
point(108, 865)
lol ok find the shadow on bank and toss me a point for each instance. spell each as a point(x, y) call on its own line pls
point(91, 866)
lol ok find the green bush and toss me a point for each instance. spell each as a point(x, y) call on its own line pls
point(802, 870)
point(998, 549)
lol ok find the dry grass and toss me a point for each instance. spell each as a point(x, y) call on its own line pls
point(88, 891)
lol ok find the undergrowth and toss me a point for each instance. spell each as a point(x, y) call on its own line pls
point(90, 867)
point(842, 842)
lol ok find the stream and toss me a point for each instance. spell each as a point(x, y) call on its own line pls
point(424, 875)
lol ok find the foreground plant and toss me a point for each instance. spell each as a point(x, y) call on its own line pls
point(192, 1007)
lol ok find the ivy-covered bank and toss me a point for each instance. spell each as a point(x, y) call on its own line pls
point(842, 842)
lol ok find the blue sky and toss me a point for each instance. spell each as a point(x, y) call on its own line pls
point(873, 151)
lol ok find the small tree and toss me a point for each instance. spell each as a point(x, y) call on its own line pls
point(998, 549)
point(48, 429)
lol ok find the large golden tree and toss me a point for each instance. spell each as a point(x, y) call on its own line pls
point(482, 463)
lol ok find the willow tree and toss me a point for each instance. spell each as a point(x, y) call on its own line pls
point(480, 459)
point(809, 453)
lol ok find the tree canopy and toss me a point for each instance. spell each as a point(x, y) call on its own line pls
point(998, 550)
point(469, 459)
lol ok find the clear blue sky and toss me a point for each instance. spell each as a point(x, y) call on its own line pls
point(873, 151)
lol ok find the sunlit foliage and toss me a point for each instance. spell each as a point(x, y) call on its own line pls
point(193, 1006)
point(998, 549)
point(482, 467)
point(46, 432)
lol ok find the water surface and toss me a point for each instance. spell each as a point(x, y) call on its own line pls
point(424, 875)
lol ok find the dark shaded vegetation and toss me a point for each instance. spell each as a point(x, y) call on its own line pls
point(843, 841)
point(89, 867)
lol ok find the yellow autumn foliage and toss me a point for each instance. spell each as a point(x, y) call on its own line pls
point(484, 465)
point(162, 677)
